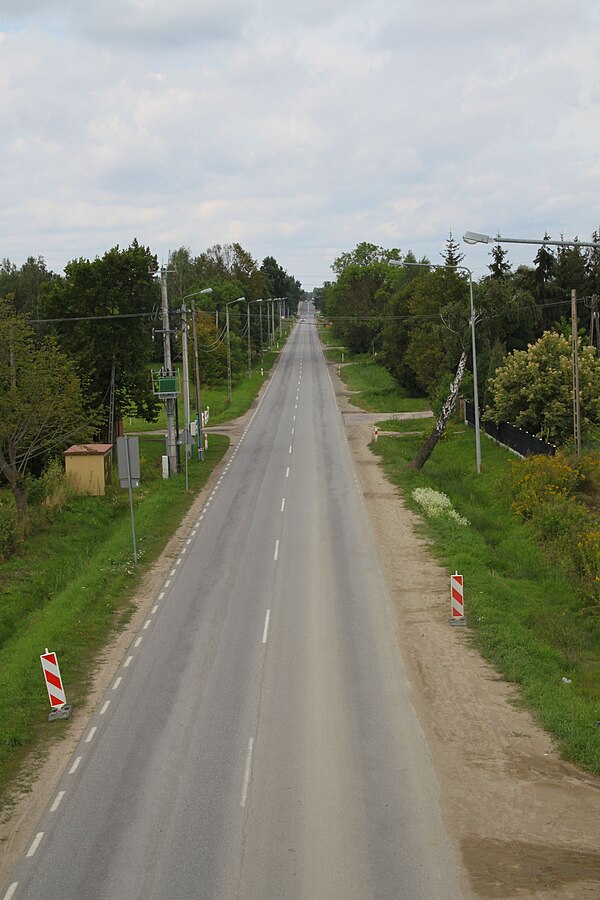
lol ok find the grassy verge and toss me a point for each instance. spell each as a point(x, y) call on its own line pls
point(377, 390)
point(522, 606)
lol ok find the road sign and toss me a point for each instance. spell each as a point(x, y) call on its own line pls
point(186, 439)
point(128, 461)
point(54, 683)
point(457, 604)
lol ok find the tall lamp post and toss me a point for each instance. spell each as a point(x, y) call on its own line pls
point(397, 262)
point(249, 343)
point(227, 305)
point(196, 368)
point(474, 237)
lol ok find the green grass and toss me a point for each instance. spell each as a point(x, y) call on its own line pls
point(378, 391)
point(523, 609)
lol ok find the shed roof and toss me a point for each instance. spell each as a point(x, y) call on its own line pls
point(88, 450)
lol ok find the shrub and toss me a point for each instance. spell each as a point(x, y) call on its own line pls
point(8, 532)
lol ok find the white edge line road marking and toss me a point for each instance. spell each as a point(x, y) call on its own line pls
point(147, 623)
point(247, 771)
point(178, 563)
point(154, 608)
point(276, 550)
point(137, 641)
point(105, 707)
point(75, 765)
point(287, 472)
point(35, 844)
point(56, 803)
point(167, 583)
point(117, 683)
point(161, 595)
point(11, 891)
point(91, 734)
point(266, 629)
point(283, 504)
point(183, 550)
point(127, 662)
point(290, 448)
point(171, 573)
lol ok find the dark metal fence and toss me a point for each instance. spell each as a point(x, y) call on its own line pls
point(509, 436)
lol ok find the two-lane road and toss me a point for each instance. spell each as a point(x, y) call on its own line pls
point(258, 740)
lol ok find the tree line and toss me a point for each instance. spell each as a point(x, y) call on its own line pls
point(77, 348)
point(415, 316)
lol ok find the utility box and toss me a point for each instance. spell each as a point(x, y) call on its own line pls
point(89, 467)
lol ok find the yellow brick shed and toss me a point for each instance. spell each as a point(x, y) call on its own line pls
point(88, 467)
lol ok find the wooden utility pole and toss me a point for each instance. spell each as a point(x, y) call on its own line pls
point(575, 356)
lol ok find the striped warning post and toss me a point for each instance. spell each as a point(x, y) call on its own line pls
point(54, 683)
point(457, 598)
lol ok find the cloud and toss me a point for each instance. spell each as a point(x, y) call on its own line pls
point(295, 128)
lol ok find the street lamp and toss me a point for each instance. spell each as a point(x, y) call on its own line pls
point(249, 343)
point(196, 368)
point(227, 305)
point(473, 237)
point(397, 262)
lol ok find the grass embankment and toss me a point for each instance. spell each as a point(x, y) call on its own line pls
point(522, 606)
point(70, 587)
point(376, 390)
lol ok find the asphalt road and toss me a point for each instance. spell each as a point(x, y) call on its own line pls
point(258, 740)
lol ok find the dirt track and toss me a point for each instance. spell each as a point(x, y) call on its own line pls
point(526, 823)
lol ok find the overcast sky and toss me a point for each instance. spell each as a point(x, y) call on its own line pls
point(296, 127)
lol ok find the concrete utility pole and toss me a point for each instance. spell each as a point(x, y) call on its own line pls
point(168, 367)
point(576, 408)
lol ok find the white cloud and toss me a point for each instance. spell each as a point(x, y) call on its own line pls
point(298, 129)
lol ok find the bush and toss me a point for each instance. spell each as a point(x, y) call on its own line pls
point(8, 532)
point(549, 491)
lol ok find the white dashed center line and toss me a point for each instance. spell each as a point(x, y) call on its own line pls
point(35, 844)
point(56, 803)
point(276, 550)
point(266, 628)
point(75, 765)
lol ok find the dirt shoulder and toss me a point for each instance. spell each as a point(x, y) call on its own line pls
point(526, 824)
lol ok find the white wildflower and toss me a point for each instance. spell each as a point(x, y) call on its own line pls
point(435, 505)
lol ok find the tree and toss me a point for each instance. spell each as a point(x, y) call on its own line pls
point(41, 402)
point(364, 254)
point(428, 446)
point(112, 345)
point(499, 267)
point(281, 284)
point(544, 287)
point(452, 255)
point(534, 388)
point(25, 284)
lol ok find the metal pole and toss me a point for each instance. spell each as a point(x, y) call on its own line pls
point(261, 337)
point(170, 402)
point(130, 499)
point(197, 377)
point(576, 411)
point(186, 377)
point(249, 346)
point(475, 386)
point(228, 354)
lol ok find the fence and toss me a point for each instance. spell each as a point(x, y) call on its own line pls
point(509, 436)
